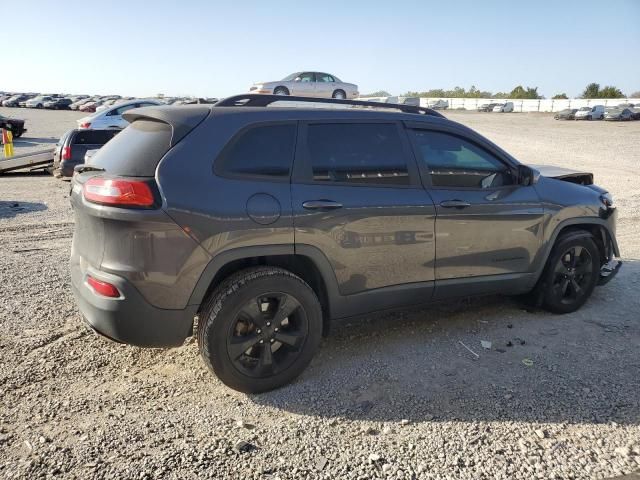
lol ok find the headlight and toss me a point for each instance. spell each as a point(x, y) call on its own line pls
point(607, 199)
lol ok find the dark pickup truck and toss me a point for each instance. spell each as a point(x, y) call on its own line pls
point(14, 124)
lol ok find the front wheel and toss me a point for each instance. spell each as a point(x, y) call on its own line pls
point(571, 273)
point(260, 329)
point(281, 91)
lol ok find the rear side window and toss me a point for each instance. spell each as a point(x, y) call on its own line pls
point(454, 162)
point(94, 137)
point(264, 151)
point(364, 153)
point(136, 150)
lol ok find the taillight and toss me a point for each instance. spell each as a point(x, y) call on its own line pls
point(66, 153)
point(118, 192)
point(103, 288)
point(85, 125)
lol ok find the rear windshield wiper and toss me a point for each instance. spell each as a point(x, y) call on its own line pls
point(87, 168)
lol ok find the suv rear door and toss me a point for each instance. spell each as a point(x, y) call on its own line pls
point(357, 200)
point(488, 227)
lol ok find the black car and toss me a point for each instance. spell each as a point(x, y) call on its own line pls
point(487, 107)
point(266, 223)
point(15, 100)
point(566, 114)
point(58, 103)
point(73, 145)
point(618, 114)
point(16, 125)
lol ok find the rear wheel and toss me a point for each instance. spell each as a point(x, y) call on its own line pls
point(339, 94)
point(571, 273)
point(260, 329)
point(281, 91)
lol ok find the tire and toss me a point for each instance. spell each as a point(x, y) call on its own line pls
point(39, 105)
point(281, 91)
point(339, 94)
point(589, 117)
point(571, 273)
point(280, 318)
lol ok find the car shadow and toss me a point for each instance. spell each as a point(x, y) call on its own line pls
point(430, 365)
point(10, 209)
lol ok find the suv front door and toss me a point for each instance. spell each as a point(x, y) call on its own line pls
point(357, 200)
point(489, 229)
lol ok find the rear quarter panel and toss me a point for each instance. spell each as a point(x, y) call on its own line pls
point(213, 209)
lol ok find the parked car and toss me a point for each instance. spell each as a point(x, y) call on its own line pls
point(308, 84)
point(590, 113)
point(73, 145)
point(58, 103)
point(23, 103)
point(112, 116)
point(618, 114)
point(16, 125)
point(266, 247)
point(566, 114)
point(636, 113)
point(79, 103)
point(487, 107)
point(438, 104)
point(38, 102)
point(506, 107)
point(15, 100)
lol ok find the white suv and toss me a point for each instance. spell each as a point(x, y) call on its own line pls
point(590, 113)
point(112, 117)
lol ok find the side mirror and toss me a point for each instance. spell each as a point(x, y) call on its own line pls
point(527, 176)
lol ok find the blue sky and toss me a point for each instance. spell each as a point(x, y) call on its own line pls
point(210, 48)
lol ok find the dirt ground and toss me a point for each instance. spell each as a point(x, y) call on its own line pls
point(393, 395)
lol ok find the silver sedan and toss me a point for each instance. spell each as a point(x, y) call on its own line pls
point(308, 84)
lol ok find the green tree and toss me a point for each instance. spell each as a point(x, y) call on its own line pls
point(524, 93)
point(560, 96)
point(379, 93)
point(610, 92)
point(591, 91)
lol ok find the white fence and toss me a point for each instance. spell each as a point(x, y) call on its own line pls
point(545, 105)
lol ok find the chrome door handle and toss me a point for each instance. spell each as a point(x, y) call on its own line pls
point(321, 205)
point(454, 204)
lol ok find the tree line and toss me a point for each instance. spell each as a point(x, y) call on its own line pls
point(592, 90)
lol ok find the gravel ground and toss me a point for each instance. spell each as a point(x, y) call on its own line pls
point(388, 396)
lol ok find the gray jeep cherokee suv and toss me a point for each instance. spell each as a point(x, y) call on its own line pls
point(263, 224)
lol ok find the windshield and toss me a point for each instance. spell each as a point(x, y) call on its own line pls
point(291, 77)
point(585, 109)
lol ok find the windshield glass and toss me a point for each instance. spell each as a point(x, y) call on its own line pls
point(291, 77)
point(585, 109)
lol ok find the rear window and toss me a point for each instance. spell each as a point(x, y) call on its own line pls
point(94, 137)
point(135, 151)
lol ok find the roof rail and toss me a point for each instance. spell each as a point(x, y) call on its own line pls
point(258, 100)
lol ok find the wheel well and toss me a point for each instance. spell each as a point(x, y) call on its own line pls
point(300, 265)
point(280, 87)
point(599, 234)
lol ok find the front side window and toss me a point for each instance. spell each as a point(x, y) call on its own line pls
point(265, 150)
point(454, 162)
point(365, 153)
point(306, 77)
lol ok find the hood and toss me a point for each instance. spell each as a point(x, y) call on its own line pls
point(566, 174)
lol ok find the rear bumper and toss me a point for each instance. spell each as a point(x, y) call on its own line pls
point(129, 319)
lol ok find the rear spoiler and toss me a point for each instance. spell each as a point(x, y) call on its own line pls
point(182, 120)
